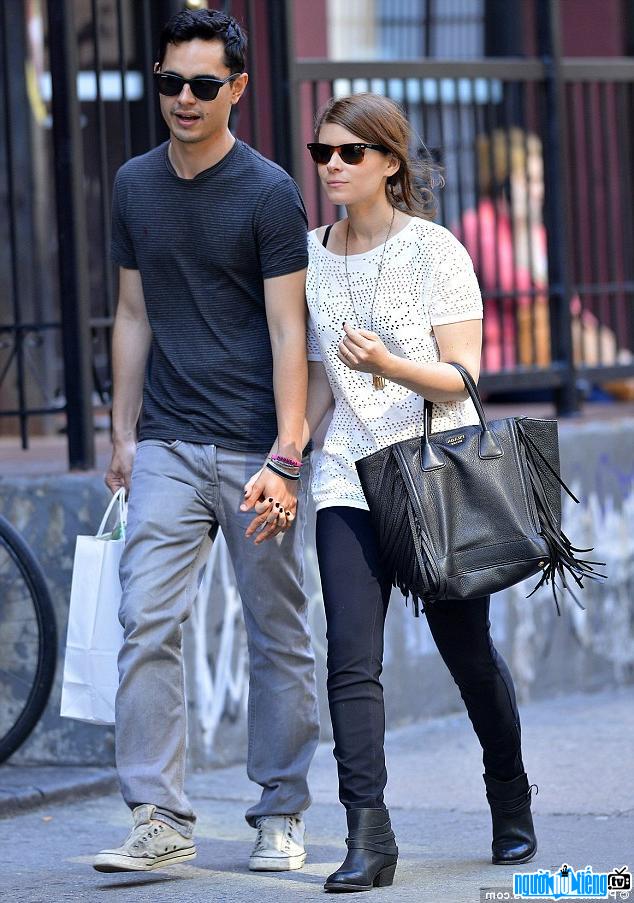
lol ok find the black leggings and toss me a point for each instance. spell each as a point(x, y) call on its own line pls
point(356, 597)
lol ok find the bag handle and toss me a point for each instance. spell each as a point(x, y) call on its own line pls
point(117, 499)
point(489, 445)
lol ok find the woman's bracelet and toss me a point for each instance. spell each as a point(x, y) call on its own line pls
point(289, 462)
point(282, 473)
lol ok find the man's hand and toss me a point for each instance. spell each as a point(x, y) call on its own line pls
point(120, 470)
point(274, 500)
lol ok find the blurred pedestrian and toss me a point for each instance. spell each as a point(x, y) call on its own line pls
point(209, 339)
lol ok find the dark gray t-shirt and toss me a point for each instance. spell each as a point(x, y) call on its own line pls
point(203, 247)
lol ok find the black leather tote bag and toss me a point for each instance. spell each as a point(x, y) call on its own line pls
point(470, 511)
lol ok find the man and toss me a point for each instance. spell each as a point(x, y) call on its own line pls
point(209, 338)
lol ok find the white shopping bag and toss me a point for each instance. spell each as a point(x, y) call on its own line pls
point(94, 633)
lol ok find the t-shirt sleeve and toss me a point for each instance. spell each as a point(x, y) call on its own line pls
point(282, 230)
point(455, 292)
point(313, 351)
point(121, 247)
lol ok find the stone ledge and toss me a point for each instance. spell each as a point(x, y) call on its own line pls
point(24, 787)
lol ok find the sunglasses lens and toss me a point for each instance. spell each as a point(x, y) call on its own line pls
point(172, 85)
point(204, 88)
point(352, 153)
point(321, 153)
point(169, 85)
point(349, 153)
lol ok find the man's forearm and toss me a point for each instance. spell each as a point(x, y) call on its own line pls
point(319, 402)
point(290, 383)
point(130, 347)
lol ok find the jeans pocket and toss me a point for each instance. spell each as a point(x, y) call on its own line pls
point(159, 443)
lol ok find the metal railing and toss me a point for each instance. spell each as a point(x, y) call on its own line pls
point(537, 159)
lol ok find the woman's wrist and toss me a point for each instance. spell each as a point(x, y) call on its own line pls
point(390, 370)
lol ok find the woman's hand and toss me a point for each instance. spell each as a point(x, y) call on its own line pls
point(274, 500)
point(363, 350)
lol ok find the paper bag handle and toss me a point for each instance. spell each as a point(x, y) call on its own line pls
point(117, 498)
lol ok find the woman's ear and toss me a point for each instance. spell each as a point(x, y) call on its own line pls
point(393, 167)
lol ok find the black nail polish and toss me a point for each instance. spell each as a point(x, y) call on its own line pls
point(270, 500)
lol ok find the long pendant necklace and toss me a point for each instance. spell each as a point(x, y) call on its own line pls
point(378, 382)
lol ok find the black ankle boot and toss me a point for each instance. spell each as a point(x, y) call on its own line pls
point(514, 838)
point(372, 852)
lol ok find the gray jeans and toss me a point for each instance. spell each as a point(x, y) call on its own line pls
point(181, 493)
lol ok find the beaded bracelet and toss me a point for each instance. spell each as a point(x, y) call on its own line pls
point(292, 468)
point(282, 473)
point(290, 462)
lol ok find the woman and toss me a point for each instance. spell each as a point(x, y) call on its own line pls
point(392, 298)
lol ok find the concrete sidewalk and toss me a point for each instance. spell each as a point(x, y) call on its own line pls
point(579, 749)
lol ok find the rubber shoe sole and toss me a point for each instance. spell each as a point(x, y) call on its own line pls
point(113, 862)
point(276, 863)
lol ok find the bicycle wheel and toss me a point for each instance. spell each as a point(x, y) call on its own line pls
point(28, 640)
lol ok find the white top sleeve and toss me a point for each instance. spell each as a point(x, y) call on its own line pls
point(455, 293)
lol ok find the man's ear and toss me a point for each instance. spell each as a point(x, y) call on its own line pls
point(157, 67)
point(238, 87)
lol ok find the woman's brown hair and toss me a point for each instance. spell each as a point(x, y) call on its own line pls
point(378, 120)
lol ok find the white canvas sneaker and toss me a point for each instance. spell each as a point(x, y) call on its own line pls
point(279, 846)
point(151, 844)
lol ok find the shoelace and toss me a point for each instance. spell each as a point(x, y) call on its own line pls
point(259, 842)
point(153, 831)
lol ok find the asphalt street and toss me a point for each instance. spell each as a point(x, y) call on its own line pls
point(578, 749)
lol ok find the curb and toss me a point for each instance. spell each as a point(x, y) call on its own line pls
point(23, 788)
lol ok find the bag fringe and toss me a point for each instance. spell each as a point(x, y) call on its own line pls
point(562, 560)
point(398, 545)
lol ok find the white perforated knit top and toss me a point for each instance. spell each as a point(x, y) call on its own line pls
point(427, 280)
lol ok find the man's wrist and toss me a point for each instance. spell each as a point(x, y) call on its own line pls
point(289, 450)
point(123, 436)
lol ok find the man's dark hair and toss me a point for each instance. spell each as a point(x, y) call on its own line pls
point(208, 25)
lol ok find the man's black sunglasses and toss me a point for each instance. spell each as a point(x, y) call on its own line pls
point(349, 153)
point(203, 87)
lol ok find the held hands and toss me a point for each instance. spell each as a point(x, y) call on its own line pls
point(363, 350)
point(274, 500)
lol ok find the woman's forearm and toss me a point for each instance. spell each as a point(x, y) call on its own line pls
point(320, 399)
point(435, 381)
